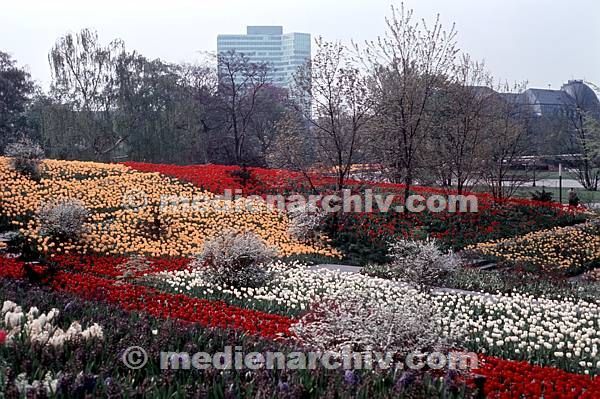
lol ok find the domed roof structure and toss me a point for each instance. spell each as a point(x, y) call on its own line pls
point(583, 95)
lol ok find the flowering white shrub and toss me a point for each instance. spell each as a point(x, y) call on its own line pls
point(41, 328)
point(62, 219)
point(402, 327)
point(235, 259)
point(304, 221)
point(421, 263)
point(26, 156)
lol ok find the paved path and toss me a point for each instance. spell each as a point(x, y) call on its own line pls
point(554, 183)
point(340, 268)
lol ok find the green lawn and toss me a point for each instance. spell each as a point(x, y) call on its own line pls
point(585, 196)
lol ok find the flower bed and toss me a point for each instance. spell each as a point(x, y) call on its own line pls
point(40, 328)
point(564, 250)
point(558, 333)
point(561, 333)
point(96, 369)
point(138, 298)
point(115, 266)
point(128, 215)
point(503, 378)
point(518, 280)
point(363, 236)
point(218, 178)
point(509, 379)
point(133, 259)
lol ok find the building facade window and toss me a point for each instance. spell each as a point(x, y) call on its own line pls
point(284, 53)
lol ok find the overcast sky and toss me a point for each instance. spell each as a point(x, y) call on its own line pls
point(545, 42)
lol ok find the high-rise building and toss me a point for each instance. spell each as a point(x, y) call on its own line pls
point(284, 53)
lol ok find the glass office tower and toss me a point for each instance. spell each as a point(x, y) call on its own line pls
point(284, 53)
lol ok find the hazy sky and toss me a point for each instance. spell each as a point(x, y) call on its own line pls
point(541, 41)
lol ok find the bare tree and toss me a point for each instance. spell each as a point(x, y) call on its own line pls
point(505, 142)
point(241, 84)
point(584, 139)
point(410, 64)
point(593, 128)
point(336, 100)
point(264, 125)
point(463, 113)
point(584, 128)
point(293, 147)
point(196, 111)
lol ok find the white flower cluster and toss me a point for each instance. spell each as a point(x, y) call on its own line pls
point(49, 384)
point(516, 324)
point(293, 285)
point(40, 327)
point(507, 325)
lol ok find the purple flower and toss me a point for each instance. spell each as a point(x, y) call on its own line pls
point(68, 306)
point(450, 376)
point(350, 377)
point(405, 380)
point(283, 386)
point(450, 379)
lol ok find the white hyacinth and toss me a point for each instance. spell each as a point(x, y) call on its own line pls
point(40, 328)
